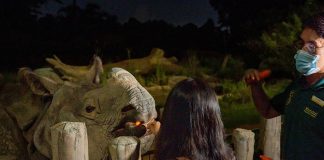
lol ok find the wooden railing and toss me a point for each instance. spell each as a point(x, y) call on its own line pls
point(69, 141)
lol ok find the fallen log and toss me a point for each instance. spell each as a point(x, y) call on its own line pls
point(140, 66)
point(148, 64)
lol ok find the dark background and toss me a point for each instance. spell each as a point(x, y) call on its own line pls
point(115, 30)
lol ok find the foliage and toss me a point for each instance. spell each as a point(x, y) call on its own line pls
point(249, 22)
point(240, 115)
point(158, 77)
point(191, 63)
point(74, 33)
point(247, 19)
point(237, 106)
point(234, 68)
point(275, 86)
point(9, 77)
point(278, 44)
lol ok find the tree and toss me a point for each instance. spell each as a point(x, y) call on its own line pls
point(279, 45)
point(18, 31)
point(19, 13)
point(250, 17)
point(255, 26)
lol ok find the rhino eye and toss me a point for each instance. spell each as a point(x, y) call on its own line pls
point(90, 109)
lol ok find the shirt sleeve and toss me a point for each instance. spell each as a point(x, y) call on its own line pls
point(278, 102)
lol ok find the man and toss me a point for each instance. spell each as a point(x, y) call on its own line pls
point(302, 102)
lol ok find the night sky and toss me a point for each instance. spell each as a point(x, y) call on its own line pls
point(178, 12)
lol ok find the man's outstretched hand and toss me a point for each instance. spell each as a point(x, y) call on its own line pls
point(253, 76)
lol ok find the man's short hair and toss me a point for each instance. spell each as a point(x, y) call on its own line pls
point(316, 23)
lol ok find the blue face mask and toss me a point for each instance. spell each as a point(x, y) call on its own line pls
point(306, 63)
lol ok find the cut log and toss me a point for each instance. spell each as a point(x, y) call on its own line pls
point(69, 141)
point(271, 138)
point(243, 143)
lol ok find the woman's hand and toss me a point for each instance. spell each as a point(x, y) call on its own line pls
point(153, 127)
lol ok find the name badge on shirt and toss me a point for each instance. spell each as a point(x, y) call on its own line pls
point(317, 101)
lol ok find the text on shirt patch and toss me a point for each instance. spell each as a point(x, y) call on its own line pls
point(310, 112)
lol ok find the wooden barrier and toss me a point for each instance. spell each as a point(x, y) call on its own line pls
point(69, 141)
point(270, 138)
point(243, 144)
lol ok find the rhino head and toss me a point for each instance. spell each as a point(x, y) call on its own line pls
point(104, 108)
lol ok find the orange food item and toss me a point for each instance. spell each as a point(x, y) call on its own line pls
point(263, 157)
point(137, 123)
point(264, 74)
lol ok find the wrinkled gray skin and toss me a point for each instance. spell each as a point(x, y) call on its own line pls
point(99, 105)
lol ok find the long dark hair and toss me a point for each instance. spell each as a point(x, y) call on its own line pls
point(191, 124)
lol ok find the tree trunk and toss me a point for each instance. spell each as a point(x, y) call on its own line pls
point(69, 141)
point(243, 143)
point(224, 64)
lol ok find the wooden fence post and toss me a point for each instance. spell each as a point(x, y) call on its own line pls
point(270, 138)
point(69, 141)
point(243, 143)
point(125, 148)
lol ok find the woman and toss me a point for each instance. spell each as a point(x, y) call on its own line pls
point(191, 125)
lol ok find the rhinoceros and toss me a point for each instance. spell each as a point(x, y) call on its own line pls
point(104, 104)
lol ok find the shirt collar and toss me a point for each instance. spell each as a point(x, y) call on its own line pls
point(319, 84)
point(316, 86)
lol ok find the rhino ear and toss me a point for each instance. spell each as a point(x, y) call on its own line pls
point(40, 85)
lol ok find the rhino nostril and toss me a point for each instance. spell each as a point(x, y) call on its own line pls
point(128, 108)
point(90, 109)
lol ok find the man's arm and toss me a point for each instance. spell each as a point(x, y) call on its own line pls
point(260, 99)
point(262, 102)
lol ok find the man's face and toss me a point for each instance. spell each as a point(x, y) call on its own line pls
point(310, 36)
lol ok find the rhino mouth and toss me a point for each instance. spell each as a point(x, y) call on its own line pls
point(129, 125)
point(130, 129)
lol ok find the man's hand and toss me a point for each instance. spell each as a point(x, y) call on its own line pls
point(251, 76)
